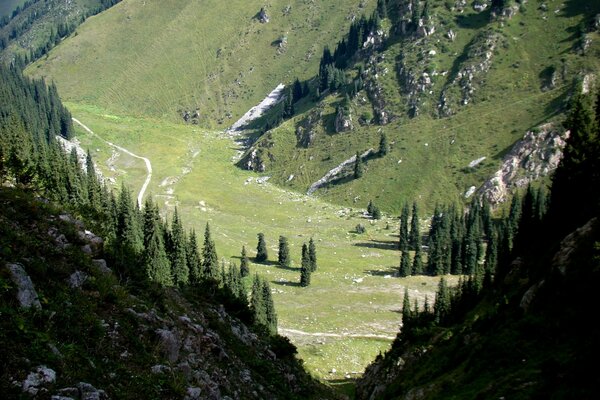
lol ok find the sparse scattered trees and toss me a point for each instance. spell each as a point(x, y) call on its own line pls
point(261, 249)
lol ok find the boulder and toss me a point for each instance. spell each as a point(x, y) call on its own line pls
point(169, 344)
point(77, 279)
point(37, 379)
point(26, 294)
point(262, 16)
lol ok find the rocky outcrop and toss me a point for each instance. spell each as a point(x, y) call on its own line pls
point(535, 156)
point(26, 294)
point(343, 120)
point(414, 83)
point(374, 90)
point(309, 128)
point(37, 380)
point(564, 257)
point(460, 87)
point(342, 170)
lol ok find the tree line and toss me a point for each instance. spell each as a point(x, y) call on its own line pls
point(141, 246)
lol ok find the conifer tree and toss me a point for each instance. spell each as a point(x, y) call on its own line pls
point(358, 167)
point(404, 238)
point(130, 243)
point(154, 258)
point(194, 262)
point(284, 253)
point(257, 303)
point(312, 255)
point(210, 261)
point(441, 307)
point(270, 314)
point(417, 266)
point(245, 263)
point(406, 312)
point(383, 145)
point(305, 267)
point(405, 267)
point(261, 249)
point(179, 266)
point(414, 237)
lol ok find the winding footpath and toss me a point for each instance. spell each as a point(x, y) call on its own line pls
point(140, 197)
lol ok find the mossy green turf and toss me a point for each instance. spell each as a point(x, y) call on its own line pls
point(238, 208)
point(158, 58)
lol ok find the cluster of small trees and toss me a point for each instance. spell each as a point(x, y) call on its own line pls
point(468, 243)
point(309, 256)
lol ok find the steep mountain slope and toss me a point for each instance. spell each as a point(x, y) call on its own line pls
point(209, 57)
point(70, 326)
point(457, 86)
point(31, 28)
point(526, 334)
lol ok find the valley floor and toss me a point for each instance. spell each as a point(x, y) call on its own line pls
point(351, 310)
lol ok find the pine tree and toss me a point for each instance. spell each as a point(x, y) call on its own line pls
point(305, 267)
point(405, 267)
point(514, 218)
point(210, 261)
point(257, 303)
point(370, 207)
point(128, 231)
point(404, 238)
point(284, 253)
point(194, 262)
point(358, 167)
point(414, 237)
point(406, 312)
point(154, 258)
point(270, 314)
point(417, 266)
point(179, 266)
point(382, 9)
point(312, 255)
point(261, 249)
point(383, 145)
point(245, 263)
point(441, 307)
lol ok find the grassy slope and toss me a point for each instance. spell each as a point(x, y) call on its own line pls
point(214, 191)
point(155, 58)
point(435, 152)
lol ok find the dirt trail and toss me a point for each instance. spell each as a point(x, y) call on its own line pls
point(140, 197)
point(292, 332)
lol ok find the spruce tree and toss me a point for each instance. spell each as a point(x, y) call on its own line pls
point(305, 267)
point(210, 261)
point(417, 266)
point(414, 237)
point(406, 312)
point(358, 167)
point(194, 262)
point(404, 238)
point(441, 307)
point(284, 253)
point(383, 145)
point(257, 303)
point(154, 258)
point(312, 255)
point(261, 249)
point(270, 314)
point(405, 267)
point(245, 263)
point(179, 266)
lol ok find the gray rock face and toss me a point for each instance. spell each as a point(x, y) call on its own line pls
point(343, 121)
point(77, 279)
point(262, 16)
point(563, 258)
point(102, 266)
point(536, 155)
point(26, 294)
point(169, 344)
point(37, 379)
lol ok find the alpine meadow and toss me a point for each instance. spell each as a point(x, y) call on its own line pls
point(299, 199)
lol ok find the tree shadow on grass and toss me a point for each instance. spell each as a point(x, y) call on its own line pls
point(267, 263)
point(295, 269)
point(378, 272)
point(379, 244)
point(286, 283)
